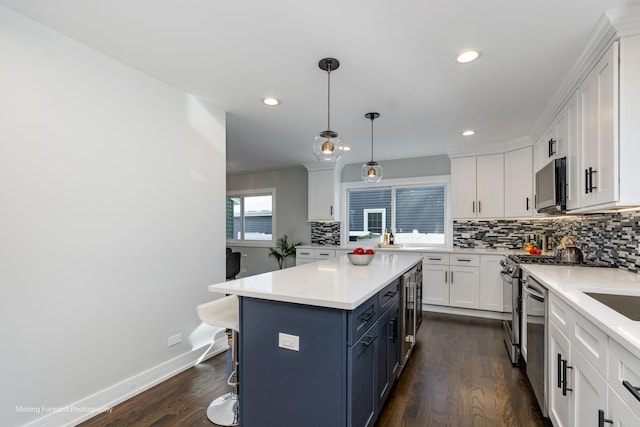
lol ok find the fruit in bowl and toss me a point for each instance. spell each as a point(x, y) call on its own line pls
point(361, 257)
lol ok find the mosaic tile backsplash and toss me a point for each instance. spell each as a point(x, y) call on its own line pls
point(325, 233)
point(608, 237)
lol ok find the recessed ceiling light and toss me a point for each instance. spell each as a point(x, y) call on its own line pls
point(468, 132)
point(345, 148)
point(271, 102)
point(468, 55)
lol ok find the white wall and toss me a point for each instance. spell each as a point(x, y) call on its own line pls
point(112, 189)
point(291, 213)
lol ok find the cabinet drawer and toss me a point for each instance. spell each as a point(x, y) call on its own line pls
point(560, 314)
point(361, 319)
point(435, 258)
point(591, 341)
point(388, 295)
point(465, 259)
point(624, 366)
point(305, 253)
point(325, 253)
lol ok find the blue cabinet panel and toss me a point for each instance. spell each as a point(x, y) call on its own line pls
point(362, 376)
point(292, 388)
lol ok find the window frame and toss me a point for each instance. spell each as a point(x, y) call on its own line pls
point(253, 193)
point(383, 212)
point(423, 181)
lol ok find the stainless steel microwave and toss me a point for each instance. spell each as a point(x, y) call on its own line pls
point(551, 187)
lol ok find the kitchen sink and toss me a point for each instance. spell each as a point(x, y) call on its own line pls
point(627, 305)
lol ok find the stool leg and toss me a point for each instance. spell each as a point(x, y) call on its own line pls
point(224, 410)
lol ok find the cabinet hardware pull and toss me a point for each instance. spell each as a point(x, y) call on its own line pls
point(473, 206)
point(366, 317)
point(586, 181)
point(464, 259)
point(445, 277)
point(559, 369)
point(552, 143)
point(390, 294)
point(394, 331)
point(565, 389)
point(479, 207)
point(331, 210)
point(369, 340)
point(591, 187)
point(435, 259)
point(602, 419)
point(452, 277)
point(634, 390)
point(527, 204)
point(324, 254)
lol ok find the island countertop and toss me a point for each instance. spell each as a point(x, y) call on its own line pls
point(332, 283)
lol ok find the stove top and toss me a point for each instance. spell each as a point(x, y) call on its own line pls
point(551, 260)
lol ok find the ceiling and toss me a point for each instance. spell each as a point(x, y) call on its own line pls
point(397, 58)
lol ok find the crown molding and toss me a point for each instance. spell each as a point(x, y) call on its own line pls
point(490, 148)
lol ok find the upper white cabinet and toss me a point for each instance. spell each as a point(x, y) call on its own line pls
point(477, 186)
point(324, 192)
point(518, 184)
point(609, 105)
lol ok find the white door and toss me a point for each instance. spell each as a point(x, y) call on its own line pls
point(463, 187)
point(464, 287)
point(518, 186)
point(435, 284)
point(490, 186)
point(491, 284)
point(590, 392)
point(559, 403)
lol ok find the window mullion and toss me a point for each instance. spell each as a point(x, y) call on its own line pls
point(242, 218)
point(393, 208)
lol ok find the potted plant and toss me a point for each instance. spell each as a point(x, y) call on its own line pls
point(283, 250)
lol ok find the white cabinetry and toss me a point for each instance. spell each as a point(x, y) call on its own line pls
point(586, 372)
point(323, 192)
point(435, 278)
point(477, 186)
point(518, 184)
point(306, 256)
point(609, 104)
point(491, 285)
point(464, 281)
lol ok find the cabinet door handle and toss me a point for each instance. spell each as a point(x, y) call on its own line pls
point(565, 389)
point(586, 181)
point(391, 294)
point(634, 390)
point(367, 316)
point(445, 277)
point(527, 204)
point(463, 259)
point(473, 206)
point(452, 277)
point(559, 369)
point(435, 259)
point(370, 340)
point(591, 172)
point(479, 207)
point(331, 210)
point(552, 143)
point(602, 419)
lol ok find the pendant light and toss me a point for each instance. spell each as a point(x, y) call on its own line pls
point(371, 171)
point(327, 146)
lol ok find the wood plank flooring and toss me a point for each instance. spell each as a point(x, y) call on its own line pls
point(459, 375)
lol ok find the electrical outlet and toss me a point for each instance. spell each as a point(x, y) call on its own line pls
point(173, 340)
point(289, 342)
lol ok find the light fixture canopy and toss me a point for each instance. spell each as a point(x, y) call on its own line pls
point(327, 146)
point(371, 171)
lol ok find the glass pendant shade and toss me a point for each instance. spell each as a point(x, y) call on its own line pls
point(371, 172)
point(327, 148)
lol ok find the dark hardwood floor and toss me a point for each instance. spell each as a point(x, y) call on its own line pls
point(459, 375)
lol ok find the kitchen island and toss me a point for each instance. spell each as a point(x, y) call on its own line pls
point(319, 343)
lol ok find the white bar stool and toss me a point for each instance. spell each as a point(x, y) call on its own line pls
point(224, 313)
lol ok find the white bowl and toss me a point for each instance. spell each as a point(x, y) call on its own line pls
point(360, 259)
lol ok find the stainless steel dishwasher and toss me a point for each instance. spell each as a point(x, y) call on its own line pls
point(535, 315)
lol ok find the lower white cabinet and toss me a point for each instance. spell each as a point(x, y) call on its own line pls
point(306, 256)
point(435, 278)
point(464, 287)
point(586, 373)
point(491, 285)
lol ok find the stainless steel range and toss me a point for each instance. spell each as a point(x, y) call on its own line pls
point(512, 288)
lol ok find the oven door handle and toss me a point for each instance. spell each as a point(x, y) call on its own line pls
point(533, 294)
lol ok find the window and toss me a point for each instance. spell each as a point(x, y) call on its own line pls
point(250, 216)
point(416, 211)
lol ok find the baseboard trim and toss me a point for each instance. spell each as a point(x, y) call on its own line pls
point(106, 399)
point(466, 312)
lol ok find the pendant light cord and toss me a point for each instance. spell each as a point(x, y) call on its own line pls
point(329, 96)
point(371, 139)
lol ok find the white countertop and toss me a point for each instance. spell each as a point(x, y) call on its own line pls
point(333, 283)
point(570, 283)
